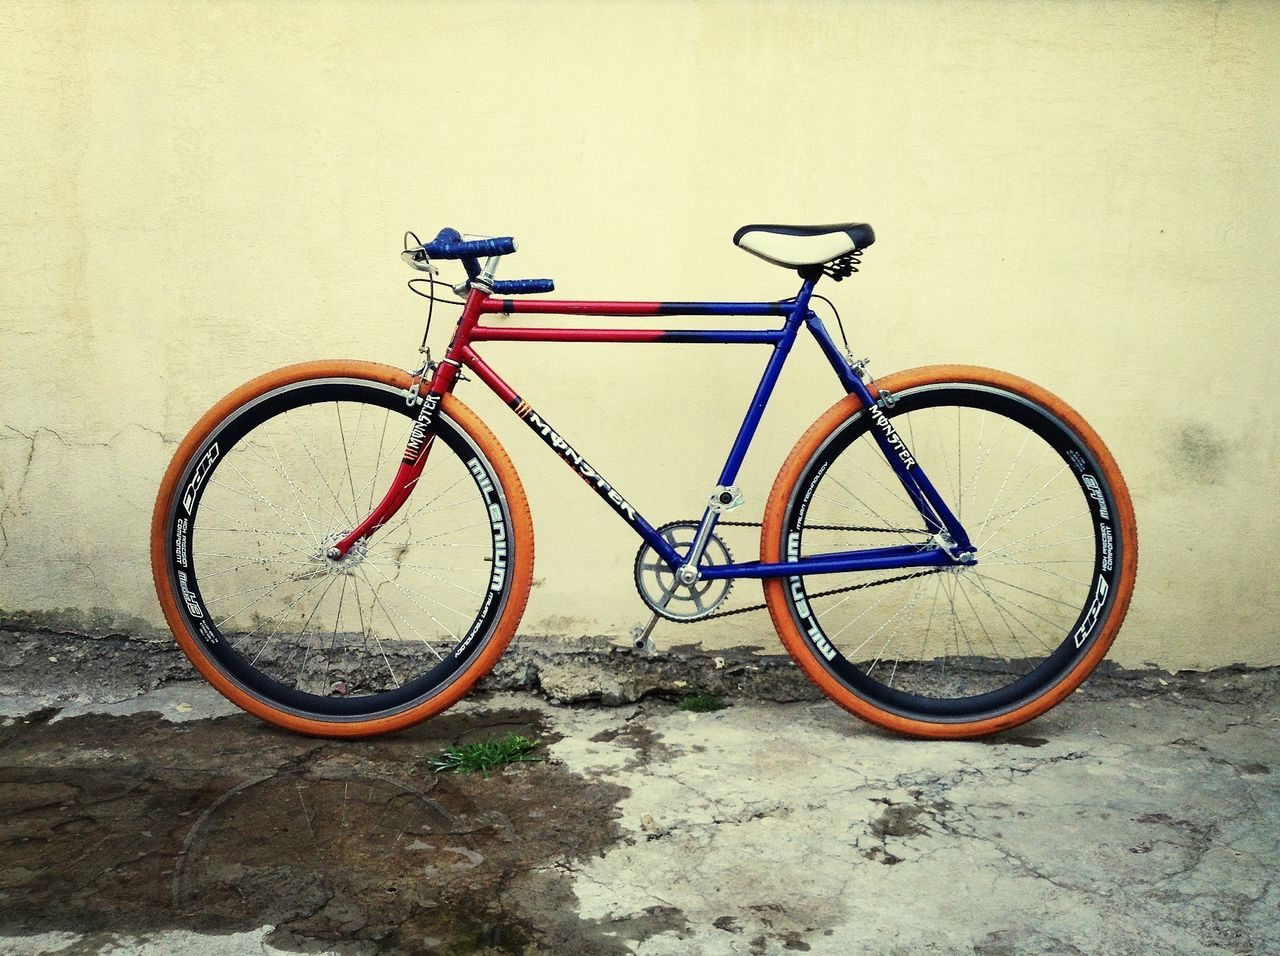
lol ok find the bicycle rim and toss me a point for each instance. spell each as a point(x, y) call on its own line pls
point(959, 644)
point(265, 494)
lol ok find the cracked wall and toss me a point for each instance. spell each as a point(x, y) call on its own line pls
point(191, 197)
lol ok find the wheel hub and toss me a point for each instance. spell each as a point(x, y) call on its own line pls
point(345, 564)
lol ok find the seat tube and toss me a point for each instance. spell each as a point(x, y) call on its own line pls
point(751, 421)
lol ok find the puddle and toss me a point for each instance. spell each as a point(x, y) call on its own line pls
point(134, 825)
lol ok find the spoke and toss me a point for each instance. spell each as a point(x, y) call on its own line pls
point(1006, 552)
point(1035, 534)
point(306, 627)
point(976, 616)
point(260, 587)
point(305, 591)
point(262, 561)
point(259, 598)
point(399, 565)
point(377, 469)
point(386, 611)
point(1044, 597)
point(241, 526)
point(347, 519)
point(377, 640)
point(1007, 475)
point(364, 628)
point(1037, 567)
point(1014, 561)
point(928, 628)
point(960, 628)
point(901, 633)
point(278, 510)
point(262, 650)
point(982, 458)
point(346, 455)
point(866, 509)
point(409, 594)
point(1009, 604)
point(406, 590)
point(893, 617)
point(1000, 610)
point(424, 505)
point(259, 497)
point(337, 623)
point(865, 611)
point(1020, 509)
point(1040, 502)
point(281, 473)
point(423, 568)
point(279, 534)
point(897, 494)
point(942, 450)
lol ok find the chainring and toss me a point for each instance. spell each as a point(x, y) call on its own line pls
point(667, 597)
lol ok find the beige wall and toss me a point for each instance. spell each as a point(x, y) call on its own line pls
point(1084, 193)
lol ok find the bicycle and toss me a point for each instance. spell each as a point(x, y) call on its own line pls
point(947, 552)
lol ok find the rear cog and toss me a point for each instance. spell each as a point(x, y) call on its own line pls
point(666, 596)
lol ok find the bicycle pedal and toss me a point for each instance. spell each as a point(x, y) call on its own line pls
point(641, 642)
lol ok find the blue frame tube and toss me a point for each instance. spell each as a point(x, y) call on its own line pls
point(867, 559)
point(933, 510)
point(755, 411)
point(726, 337)
point(781, 349)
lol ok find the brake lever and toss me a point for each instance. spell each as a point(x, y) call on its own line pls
point(417, 259)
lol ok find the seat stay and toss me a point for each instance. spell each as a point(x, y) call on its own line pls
point(937, 516)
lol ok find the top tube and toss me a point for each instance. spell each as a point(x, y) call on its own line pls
point(491, 305)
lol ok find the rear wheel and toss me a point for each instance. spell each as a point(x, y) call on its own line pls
point(401, 627)
point(963, 650)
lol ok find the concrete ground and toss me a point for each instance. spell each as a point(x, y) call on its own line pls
point(1143, 815)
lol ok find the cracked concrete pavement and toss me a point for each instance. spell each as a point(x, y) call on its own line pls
point(1140, 816)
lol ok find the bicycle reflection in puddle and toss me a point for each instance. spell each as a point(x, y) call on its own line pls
point(326, 846)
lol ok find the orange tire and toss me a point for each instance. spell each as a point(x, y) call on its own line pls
point(499, 581)
point(1066, 664)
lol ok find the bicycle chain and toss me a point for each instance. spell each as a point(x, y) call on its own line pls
point(851, 587)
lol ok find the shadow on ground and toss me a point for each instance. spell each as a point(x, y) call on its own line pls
point(132, 824)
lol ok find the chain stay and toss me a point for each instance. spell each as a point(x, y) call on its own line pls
point(851, 587)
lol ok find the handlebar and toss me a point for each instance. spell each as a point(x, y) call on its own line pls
point(522, 286)
point(449, 244)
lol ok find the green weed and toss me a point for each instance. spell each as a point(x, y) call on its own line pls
point(483, 756)
point(702, 703)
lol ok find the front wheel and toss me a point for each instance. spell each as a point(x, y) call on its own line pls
point(396, 631)
point(958, 651)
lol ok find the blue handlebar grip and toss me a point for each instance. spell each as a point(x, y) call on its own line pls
point(448, 248)
point(522, 286)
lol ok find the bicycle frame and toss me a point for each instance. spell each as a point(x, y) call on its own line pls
point(950, 544)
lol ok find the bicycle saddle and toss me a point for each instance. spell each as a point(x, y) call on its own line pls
point(803, 245)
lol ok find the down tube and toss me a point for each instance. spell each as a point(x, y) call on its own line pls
point(594, 480)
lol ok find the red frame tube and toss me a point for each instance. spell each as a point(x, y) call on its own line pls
point(460, 353)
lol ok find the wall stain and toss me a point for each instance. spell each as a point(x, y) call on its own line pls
point(1198, 454)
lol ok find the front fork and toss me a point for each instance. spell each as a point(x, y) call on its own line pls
point(423, 434)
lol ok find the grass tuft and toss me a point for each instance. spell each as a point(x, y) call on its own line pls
point(483, 756)
point(702, 703)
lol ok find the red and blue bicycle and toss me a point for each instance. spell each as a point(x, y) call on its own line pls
point(343, 548)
